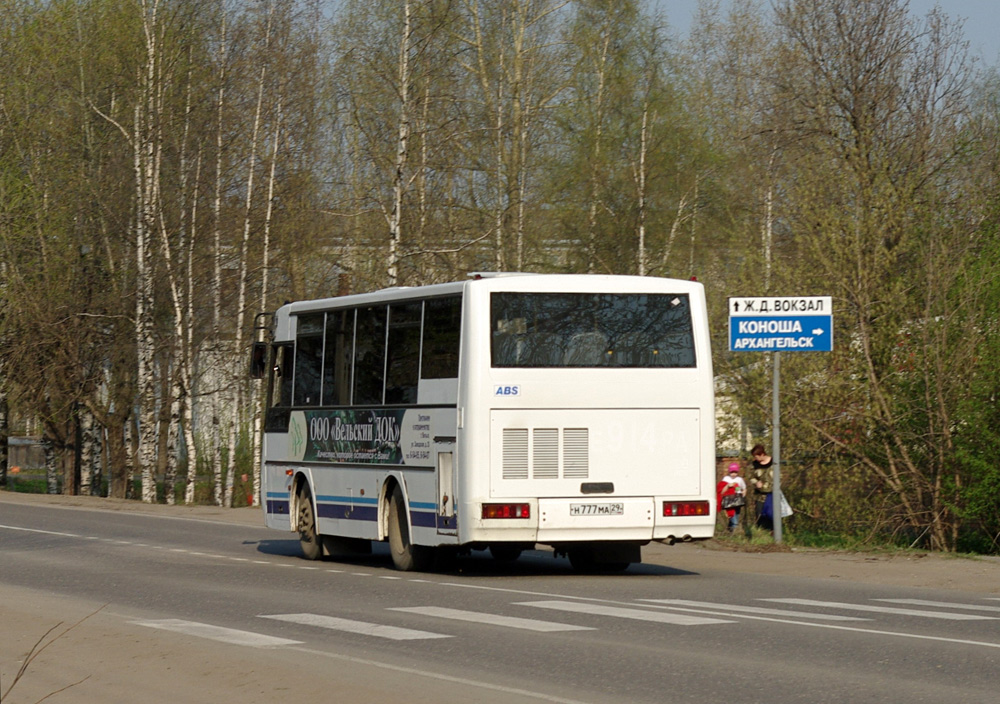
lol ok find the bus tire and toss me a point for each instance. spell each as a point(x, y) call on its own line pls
point(309, 539)
point(406, 556)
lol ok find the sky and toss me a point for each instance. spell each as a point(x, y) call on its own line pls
point(982, 21)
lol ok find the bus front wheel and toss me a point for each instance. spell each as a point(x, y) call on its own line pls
point(406, 556)
point(312, 547)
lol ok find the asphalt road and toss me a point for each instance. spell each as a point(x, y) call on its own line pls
point(176, 604)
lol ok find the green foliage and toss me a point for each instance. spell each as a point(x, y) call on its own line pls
point(976, 486)
point(27, 483)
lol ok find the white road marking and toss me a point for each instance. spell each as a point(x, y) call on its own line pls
point(756, 610)
point(942, 604)
point(43, 532)
point(527, 624)
point(224, 635)
point(883, 609)
point(620, 612)
point(359, 627)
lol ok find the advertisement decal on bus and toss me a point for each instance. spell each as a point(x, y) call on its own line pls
point(393, 436)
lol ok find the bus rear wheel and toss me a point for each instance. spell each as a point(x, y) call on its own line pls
point(309, 540)
point(406, 556)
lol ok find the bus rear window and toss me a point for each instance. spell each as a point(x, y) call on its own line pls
point(591, 330)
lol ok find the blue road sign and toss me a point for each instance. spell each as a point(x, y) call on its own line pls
point(773, 324)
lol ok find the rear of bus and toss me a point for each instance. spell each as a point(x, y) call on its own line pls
point(587, 418)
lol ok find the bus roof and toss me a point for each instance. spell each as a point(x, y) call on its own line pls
point(494, 281)
point(499, 281)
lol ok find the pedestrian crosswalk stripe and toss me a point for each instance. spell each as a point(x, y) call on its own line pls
point(621, 612)
point(359, 627)
point(883, 609)
point(942, 604)
point(756, 610)
point(492, 619)
point(218, 633)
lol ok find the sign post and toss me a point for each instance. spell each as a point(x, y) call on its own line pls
point(780, 324)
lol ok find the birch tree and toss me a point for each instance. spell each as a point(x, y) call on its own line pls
point(147, 145)
point(516, 76)
point(382, 108)
point(628, 149)
point(238, 386)
point(222, 76)
point(726, 73)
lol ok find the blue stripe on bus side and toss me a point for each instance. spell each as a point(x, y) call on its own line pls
point(423, 514)
point(424, 519)
point(277, 507)
point(355, 513)
point(323, 498)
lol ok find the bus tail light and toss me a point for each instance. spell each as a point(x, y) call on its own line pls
point(686, 508)
point(506, 511)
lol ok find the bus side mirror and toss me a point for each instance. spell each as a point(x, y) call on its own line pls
point(258, 360)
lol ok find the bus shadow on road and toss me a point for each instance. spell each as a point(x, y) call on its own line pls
point(287, 548)
point(532, 563)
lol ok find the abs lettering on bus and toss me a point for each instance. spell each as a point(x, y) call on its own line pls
point(508, 390)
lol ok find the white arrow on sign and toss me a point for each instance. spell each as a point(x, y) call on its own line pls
point(818, 331)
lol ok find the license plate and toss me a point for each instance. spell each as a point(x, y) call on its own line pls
point(614, 509)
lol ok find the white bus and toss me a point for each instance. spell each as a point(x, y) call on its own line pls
point(509, 410)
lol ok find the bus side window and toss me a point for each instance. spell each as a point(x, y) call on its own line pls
point(369, 355)
point(337, 355)
point(403, 353)
point(442, 332)
point(308, 360)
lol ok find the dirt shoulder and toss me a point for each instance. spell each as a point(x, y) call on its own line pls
point(979, 575)
point(905, 568)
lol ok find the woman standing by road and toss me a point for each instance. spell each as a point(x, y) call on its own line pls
point(762, 480)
